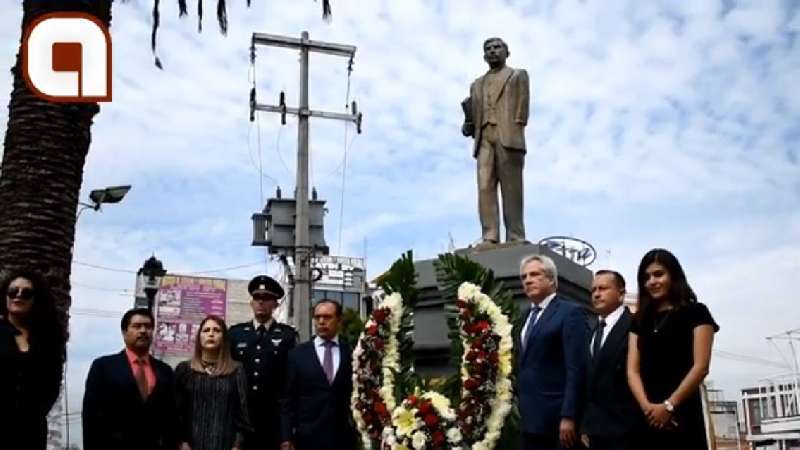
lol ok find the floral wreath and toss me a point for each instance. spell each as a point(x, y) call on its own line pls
point(390, 408)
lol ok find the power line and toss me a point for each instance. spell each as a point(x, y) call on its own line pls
point(193, 272)
point(99, 288)
point(99, 267)
point(750, 359)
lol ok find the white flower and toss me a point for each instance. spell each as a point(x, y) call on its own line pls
point(418, 440)
point(454, 435)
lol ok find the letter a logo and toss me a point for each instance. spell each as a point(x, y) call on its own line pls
point(66, 57)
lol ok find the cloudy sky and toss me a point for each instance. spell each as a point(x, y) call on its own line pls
point(653, 124)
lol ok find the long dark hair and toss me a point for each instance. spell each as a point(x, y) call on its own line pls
point(679, 294)
point(225, 364)
point(45, 330)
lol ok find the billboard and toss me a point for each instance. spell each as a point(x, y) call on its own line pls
point(182, 302)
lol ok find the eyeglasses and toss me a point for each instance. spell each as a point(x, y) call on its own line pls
point(25, 293)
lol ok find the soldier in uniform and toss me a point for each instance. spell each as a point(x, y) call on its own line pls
point(262, 346)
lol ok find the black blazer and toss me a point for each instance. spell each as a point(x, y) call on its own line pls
point(29, 386)
point(116, 417)
point(610, 406)
point(316, 415)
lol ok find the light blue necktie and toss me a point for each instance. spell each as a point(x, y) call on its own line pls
point(531, 321)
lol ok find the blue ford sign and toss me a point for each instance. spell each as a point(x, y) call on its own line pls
point(577, 250)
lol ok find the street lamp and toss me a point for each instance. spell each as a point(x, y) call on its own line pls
point(152, 272)
point(111, 194)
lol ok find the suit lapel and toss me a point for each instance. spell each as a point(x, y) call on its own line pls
point(125, 373)
point(505, 75)
point(615, 338)
point(313, 360)
point(544, 317)
point(344, 363)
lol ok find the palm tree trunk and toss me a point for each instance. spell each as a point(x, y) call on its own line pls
point(44, 153)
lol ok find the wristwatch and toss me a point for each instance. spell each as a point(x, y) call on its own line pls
point(669, 406)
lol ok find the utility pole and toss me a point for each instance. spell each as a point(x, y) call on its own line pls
point(303, 251)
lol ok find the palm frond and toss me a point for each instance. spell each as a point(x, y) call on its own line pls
point(222, 17)
point(199, 16)
point(327, 15)
point(154, 31)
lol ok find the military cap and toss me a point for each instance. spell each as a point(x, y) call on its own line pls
point(265, 284)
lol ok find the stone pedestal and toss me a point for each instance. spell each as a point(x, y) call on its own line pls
point(431, 343)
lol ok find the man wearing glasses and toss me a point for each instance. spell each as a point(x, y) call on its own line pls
point(262, 346)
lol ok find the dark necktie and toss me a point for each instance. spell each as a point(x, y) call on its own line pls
point(141, 378)
point(262, 330)
point(531, 321)
point(327, 360)
point(598, 338)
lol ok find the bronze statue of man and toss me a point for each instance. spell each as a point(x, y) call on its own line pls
point(496, 113)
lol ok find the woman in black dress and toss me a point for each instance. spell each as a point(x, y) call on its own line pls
point(211, 391)
point(668, 356)
point(31, 360)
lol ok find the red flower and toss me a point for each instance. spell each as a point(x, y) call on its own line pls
point(372, 330)
point(471, 384)
point(438, 437)
point(380, 408)
point(367, 417)
point(412, 400)
point(482, 325)
point(493, 358)
point(378, 344)
point(461, 304)
point(431, 420)
point(425, 407)
point(379, 315)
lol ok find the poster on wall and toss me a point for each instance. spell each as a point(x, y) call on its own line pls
point(182, 302)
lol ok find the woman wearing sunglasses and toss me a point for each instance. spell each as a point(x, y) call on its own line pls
point(31, 360)
point(211, 391)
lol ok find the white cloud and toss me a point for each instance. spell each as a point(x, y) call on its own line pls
point(652, 124)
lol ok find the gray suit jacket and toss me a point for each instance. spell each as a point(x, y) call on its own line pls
point(513, 102)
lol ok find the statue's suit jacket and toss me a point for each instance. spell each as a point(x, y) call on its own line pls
point(512, 106)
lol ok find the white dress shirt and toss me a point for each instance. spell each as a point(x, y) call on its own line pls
point(319, 346)
point(542, 305)
point(266, 324)
point(611, 320)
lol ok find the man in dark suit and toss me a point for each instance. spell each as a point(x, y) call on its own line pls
point(129, 401)
point(315, 408)
point(610, 407)
point(551, 361)
point(262, 345)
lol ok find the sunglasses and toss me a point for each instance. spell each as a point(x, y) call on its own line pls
point(23, 293)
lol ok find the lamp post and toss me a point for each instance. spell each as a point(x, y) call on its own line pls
point(110, 194)
point(151, 272)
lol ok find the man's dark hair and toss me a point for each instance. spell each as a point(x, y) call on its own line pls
point(126, 318)
point(618, 279)
point(338, 305)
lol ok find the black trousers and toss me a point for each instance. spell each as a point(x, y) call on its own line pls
point(545, 442)
point(610, 443)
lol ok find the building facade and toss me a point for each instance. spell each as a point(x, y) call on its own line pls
point(771, 414)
